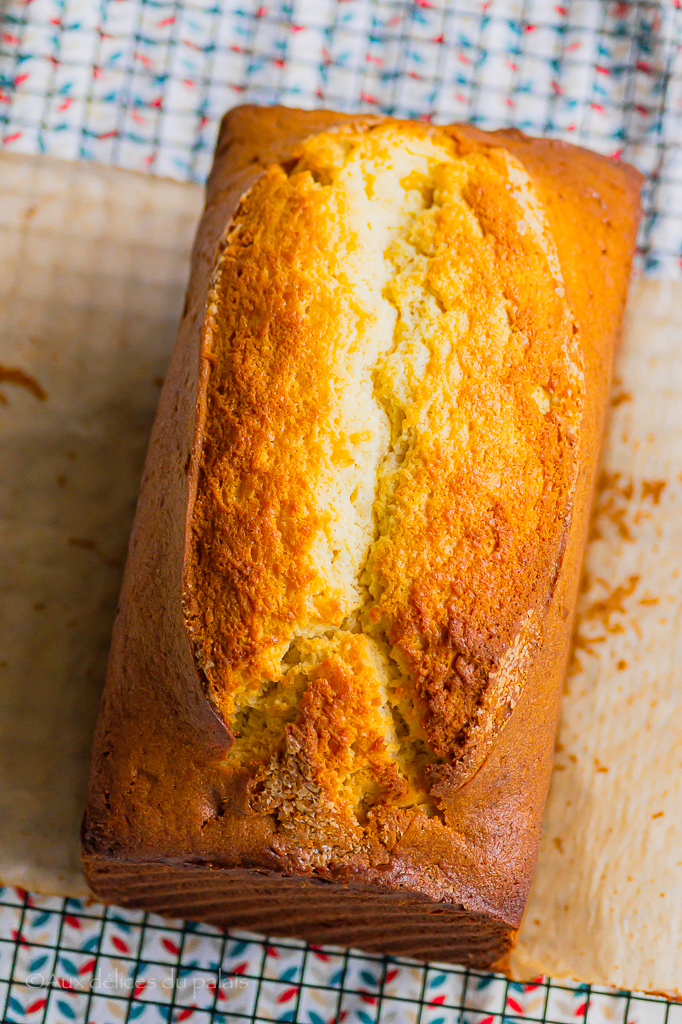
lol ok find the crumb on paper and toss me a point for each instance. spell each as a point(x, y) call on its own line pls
point(623, 396)
point(14, 375)
point(89, 545)
point(614, 492)
point(612, 604)
point(653, 489)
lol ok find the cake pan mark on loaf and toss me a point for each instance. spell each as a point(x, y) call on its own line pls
point(386, 463)
point(175, 825)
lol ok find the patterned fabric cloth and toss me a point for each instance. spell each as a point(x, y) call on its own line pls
point(79, 962)
point(142, 84)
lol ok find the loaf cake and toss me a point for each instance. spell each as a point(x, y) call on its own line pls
point(337, 661)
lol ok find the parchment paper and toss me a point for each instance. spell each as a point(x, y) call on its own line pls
point(94, 263)
point(606, 902)
point(93, 267)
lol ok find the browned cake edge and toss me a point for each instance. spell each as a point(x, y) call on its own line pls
point(156, 811)
point(399, 924)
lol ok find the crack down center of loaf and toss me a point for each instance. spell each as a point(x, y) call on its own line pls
point(386, 468)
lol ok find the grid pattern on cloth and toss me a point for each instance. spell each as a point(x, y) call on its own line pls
point(142, 83)
point(64, 961)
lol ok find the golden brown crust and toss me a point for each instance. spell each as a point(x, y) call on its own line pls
point(424, 360)
point(161, 789)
